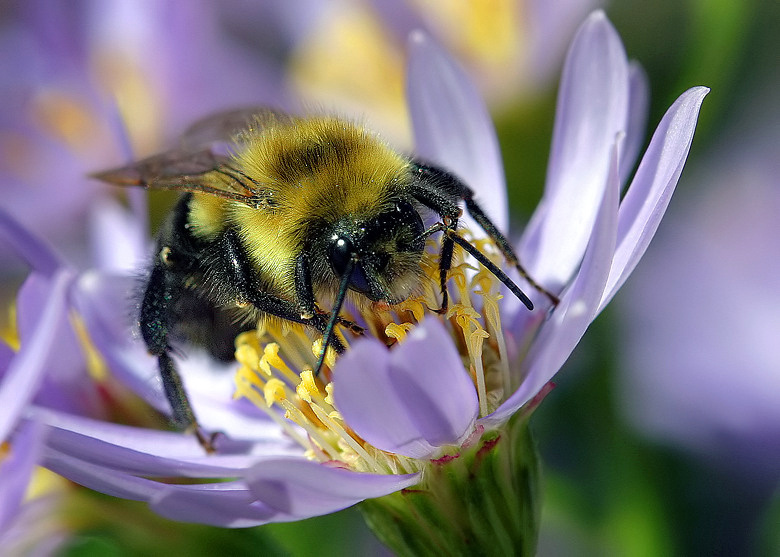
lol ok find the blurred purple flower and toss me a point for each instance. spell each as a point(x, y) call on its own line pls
point(26, 523)
point(708, 295)
point(70, 66)
point(349, 55)
point(416, 400)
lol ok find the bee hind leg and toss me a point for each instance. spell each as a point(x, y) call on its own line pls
point(162, 291)
point(183, 415)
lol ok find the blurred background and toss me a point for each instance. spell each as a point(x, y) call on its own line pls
point(663, 434)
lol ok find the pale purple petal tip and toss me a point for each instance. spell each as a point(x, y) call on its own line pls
point(408, 384)
point(452, 125)
point(302, 488)
point(428, 375)
point(656, 178)
point(592, 110)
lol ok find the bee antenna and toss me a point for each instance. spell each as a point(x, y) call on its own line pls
point(490, 266)
point(327, 335)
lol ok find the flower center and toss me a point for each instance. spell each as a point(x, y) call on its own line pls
point(302, 405)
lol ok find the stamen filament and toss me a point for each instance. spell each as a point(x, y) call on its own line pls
point(294, 413)
point(347, 438)
point(246, 388)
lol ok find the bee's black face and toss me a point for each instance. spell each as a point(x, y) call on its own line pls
point(375, 247)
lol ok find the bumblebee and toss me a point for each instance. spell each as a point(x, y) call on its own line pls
point(280, 212)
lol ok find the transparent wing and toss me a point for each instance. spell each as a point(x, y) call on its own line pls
point(226, 127)
point(203, 161)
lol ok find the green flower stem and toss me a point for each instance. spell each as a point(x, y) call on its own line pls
point(482, 500)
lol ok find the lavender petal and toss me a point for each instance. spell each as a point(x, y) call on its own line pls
point(16, 470)
point(151, 452)
point(29, 247)
point(592, 110)
point(26, 370)
point(656, 178)
point(407, 384)
point(452, 125)
point(578, 306)
point(303, 488)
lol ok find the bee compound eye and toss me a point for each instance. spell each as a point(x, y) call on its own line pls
point(340, 253)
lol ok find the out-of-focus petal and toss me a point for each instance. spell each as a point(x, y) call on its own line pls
point(119, 240)
point(592, 110)
point(66, 385)
point(550, 26)
point(410, 401)
point(27, 368)
point(638, 109)
point(302, 488)
point(16, 469)
point(452, 126)
point(27, 246)
point(105, 302)
point(6, 353)
point(650, 191)
point(577, 308)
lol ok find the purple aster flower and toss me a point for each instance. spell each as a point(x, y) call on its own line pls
point(454, 392)
point(70, 63)
point(350, 55)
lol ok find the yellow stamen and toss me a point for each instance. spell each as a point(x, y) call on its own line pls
point(493, 318)
point(398, 331)
point(474, 343)
point(413, 305)
point(9, 332)
point(96, 366)
point(330, 357)
point(274, 392)
point(267, 375)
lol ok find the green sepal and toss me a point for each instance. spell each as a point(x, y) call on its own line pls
point(483, 499)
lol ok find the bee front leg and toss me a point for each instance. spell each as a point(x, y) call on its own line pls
point(305, 295)
point(238, 272)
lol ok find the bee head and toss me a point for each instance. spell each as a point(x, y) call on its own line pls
point(384, 251)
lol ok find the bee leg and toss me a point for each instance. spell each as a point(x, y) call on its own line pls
point(323, 321)
point(445, 263)
point(501, 241)
point(305, 294)
point(183, 416)
point(353, 327)
point(237, 271)
point(162, 290)
point(439, 190)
